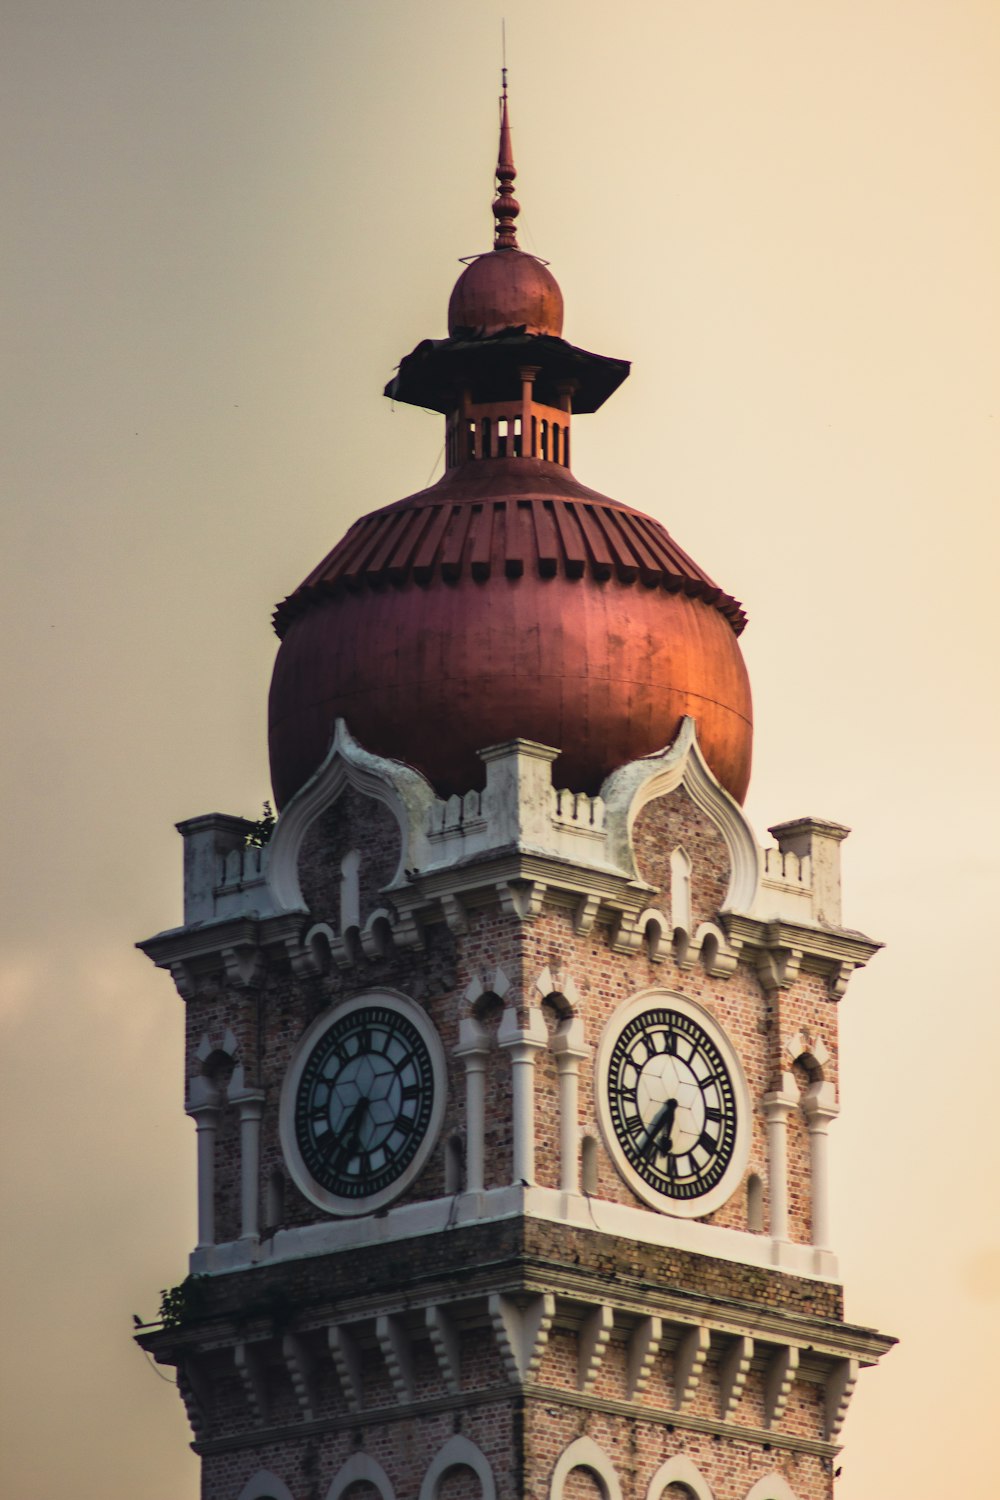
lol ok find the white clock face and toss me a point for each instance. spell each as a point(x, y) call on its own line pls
point(362, 1103)
point(673, 1104)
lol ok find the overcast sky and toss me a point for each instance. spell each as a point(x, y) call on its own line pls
point(226, 220)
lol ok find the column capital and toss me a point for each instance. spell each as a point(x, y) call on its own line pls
point(531, 1037)
point(777, 1107)
point(250, 1103)
point(568, 1044)
point(473, 1040)
point(819, 1105)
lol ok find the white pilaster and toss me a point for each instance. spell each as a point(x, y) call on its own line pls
point(777, 1107)
point(473, 1044)
point(523, 1042)
point(569, 1050)
point(819, 1105)
point(250, 1103)
point(204, 1102)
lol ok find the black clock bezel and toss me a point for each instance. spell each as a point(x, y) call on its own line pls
point(329, 1187)
point(706, 1185)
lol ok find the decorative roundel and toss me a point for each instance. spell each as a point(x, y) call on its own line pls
point(673, 1104)
point(362, 1103)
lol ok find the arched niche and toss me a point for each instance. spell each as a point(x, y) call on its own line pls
point(458, 1452)
point(680, 1470)
point(771, 1487)
point(357, 1468)
point(265, 1486)
point(585, 1454)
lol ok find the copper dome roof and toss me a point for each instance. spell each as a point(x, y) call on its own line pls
point(508, 600)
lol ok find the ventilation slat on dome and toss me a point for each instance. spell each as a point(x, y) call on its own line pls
point(514, 539)
point(479, 527)
point(454, 542)
point(676, 575)
point(331, 568)
point(600, 557)
point(423, 563)
point(546, 539)
point(650, 571)
point(626, 566)
point(355, 563)
point(387, 542)
point(406, 544)
point(574, 548)
point(480, 551)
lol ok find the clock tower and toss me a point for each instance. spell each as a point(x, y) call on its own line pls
point(512, 1055)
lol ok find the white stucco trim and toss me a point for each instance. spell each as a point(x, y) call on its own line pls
point(680, 1470)
point(550, 1204)
point(349, 1207)
point(585, 1454)
point(693, 1208)
point(265, 1486)
point(400, 788)
point(627, 791)
point(771, 1487)
point(357, 1468)
point(457, 1451)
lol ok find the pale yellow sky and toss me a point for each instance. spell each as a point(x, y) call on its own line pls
point(225, 224)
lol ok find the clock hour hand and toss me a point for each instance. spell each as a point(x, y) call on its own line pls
point(350, 1133)
point(663, 1121)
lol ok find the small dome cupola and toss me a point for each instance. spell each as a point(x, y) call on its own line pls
point(505, 379)
point(505, 288)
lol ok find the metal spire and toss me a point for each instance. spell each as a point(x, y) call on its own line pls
point(505, 206)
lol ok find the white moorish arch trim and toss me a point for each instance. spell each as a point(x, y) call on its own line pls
point(680, 1470)
point(627, 791)
point(458, 1451)
point(771, 1487)
point(400, 788)
point(265, 1486)
point(585, 1454)
point(357, 1468)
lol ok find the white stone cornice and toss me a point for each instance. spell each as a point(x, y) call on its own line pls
point(232, 945)
point(782, 950)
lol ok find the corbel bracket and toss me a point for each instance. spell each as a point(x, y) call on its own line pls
point(522, 1333)
point(734, 1367)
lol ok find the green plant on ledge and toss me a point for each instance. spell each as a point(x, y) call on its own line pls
point(260, 833)
point(182, 1303)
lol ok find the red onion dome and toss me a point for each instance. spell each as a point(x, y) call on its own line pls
point(508, 600)
point(505, 289)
